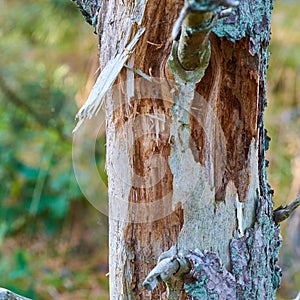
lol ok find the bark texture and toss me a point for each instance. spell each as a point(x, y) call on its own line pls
point(188, 169)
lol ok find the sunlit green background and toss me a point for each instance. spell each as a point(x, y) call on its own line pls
point(53, 243)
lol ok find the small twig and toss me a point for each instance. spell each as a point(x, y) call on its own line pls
point(281, 213)
point(158, 46)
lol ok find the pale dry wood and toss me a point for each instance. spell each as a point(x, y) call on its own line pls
point(105, 81)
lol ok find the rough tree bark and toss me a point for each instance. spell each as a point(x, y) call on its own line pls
point(198, 180)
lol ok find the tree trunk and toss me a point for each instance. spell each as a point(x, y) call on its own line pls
point(186, 159)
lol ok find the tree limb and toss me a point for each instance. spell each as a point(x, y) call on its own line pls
point(21, 104)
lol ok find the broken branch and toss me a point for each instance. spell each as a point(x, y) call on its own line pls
point(282, 213)
point(192, 30)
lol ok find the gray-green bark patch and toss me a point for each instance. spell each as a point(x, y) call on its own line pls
point(252, 18)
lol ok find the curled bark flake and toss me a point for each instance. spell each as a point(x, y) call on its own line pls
point(105, 81)
point(89, 9)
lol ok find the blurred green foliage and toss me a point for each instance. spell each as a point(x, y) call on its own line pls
point(46, 52)
point(37, 88)
point(283, 111)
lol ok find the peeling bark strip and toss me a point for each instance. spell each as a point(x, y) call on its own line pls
point(282, 213)
point(210, 139)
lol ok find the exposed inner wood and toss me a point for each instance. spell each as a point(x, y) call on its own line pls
point(230, 88)
point(151, 182)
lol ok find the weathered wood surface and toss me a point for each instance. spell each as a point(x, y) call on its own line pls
point(189, 169)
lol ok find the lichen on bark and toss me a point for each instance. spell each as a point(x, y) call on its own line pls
point(252, 18)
